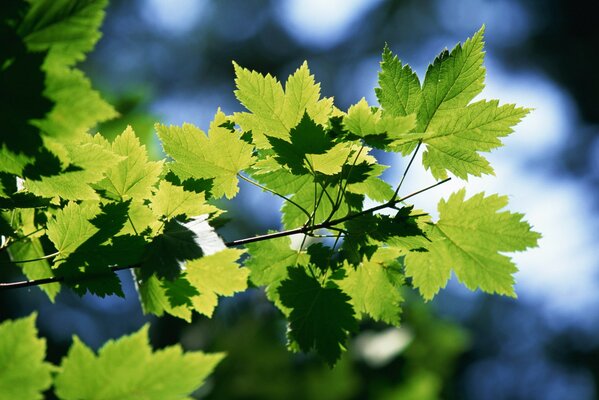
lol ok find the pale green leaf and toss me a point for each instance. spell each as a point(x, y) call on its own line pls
point(31, 249)
point(331, 162)
point(216, 275)
point(154, 300)
point(71, 227)
point(128, 369)
point(171, 201)
point(268, 264)
point(399, 93)
point(458, 135)
point(372, 285)
point(88, 164)
point(24, 374)
point(452, 80)
point(78, 106)
point(68, 28)
point(274, 111)
point(134, 176)
point(220, 156)
point(470, 239)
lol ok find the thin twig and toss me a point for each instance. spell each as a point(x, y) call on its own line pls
point(405, 173)
point(301, 230)
point(245, 178)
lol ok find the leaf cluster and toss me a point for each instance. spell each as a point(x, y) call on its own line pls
point(76, 207)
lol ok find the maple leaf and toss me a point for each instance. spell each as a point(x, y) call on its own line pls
point(469, 239)
point(374, 284)
point(68, 28)
point(321, 318)
point(171, 201)
point(274, 111)
point(87, 164)
point(220, 156)
point(378, 129)
point(134, 176)
point(24, 373)
point(459, 135)
point(268, 264)
point(128, 369)
point(453, 130)
point(216, 275)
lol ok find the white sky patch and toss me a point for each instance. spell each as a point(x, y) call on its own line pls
point(321, 23)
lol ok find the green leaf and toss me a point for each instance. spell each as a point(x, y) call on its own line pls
point(129, 369)
point(68, 28)
point(280, 180)
point(367, 233)
point(30, 249)
point(307, 137)
point(374, 285)
point(331, 162)
point(172, 201)
point(321, 317)
point(23, 372)
point(88, 164)
point(469, 239)
point(134, 176)
point(179, 291)
point(274, 111)
point(168, 251)
point(452, 80)
point(268, 264)
point(71, 227)
point(78, 106)
point(221, 155)
point(399, 93)
point(378, 129)
point(155, 300)
point(458, 136)
point(88, 242)
point(216, 275)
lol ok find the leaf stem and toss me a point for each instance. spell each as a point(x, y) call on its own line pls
point(301, 230)
point(273, 192)
point(405, 173)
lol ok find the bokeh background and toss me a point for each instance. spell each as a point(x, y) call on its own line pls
point(170, 61)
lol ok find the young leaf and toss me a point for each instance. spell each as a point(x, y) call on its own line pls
point(78, 106)
point(452, 80)
point(469, 239)
point(134, 176)
point(23, 372)
point(275, 112)
point(129, 369)
point(30, 249)
point(383, 131)
point(374, 285)
point(399, 93)
point(216, 275)
point(321, 318)
point(71, 227)
point(221, 155)
point(68, 28)
point(88, 162)
point(268, 264)
point(171, 201)
point(460, 134)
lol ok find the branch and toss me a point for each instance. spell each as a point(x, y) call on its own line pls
point(301, 230)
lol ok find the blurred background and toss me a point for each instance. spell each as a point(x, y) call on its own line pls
point(170, 61)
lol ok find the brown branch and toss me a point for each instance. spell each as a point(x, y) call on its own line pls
point(302, 230)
